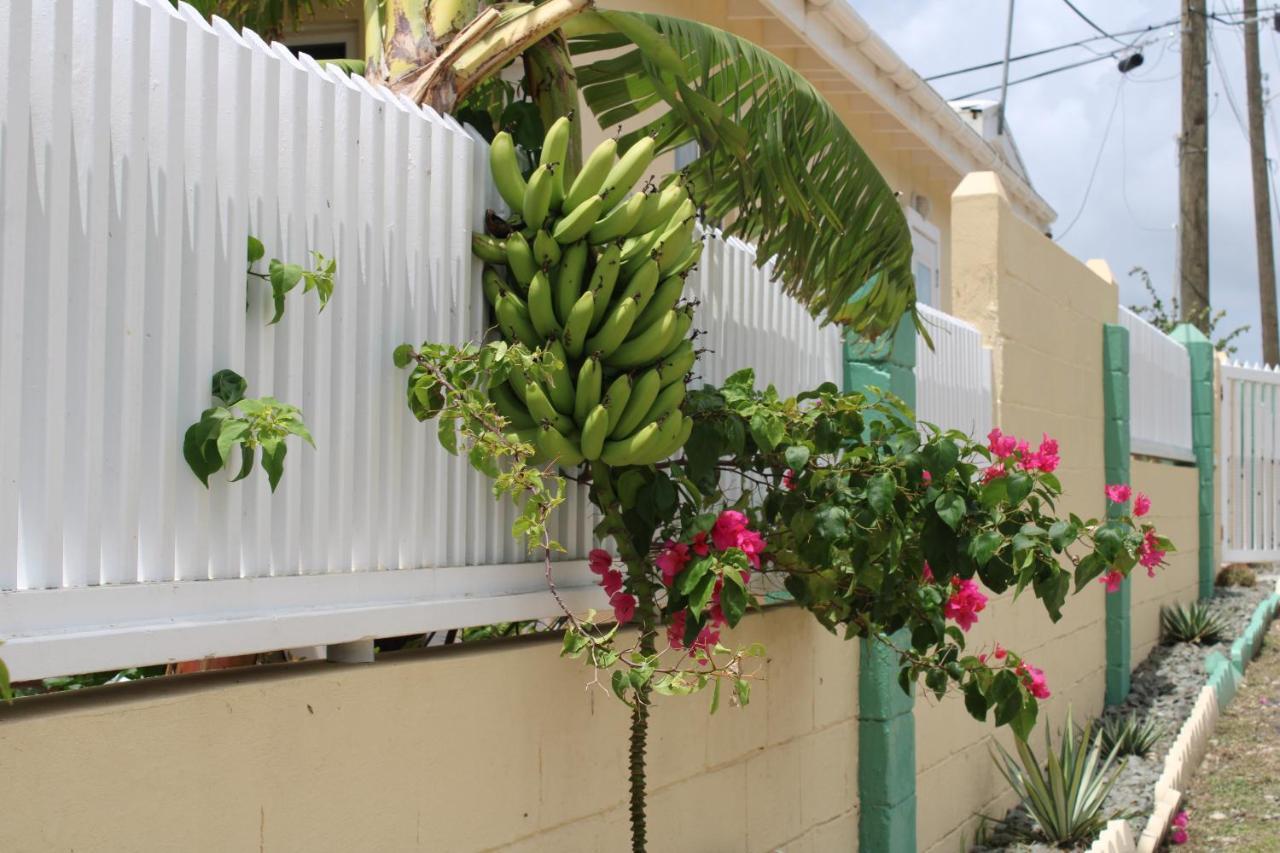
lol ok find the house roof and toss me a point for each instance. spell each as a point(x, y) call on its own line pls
point(850, 61)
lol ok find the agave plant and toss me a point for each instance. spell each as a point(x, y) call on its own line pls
point(1194, 623)
point(1130, 734)
point(1064, 797)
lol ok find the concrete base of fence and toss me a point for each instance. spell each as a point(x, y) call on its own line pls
point(1188, 750)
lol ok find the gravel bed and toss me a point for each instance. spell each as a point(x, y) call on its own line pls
point(1164, 686)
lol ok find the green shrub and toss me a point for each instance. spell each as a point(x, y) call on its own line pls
point(1237, 574)
point(1064, 796)
point(1130, 734)
point(1193, 623)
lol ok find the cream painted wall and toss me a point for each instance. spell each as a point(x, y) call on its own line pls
point(1042, 312)
point(450, 750)
point(1172, 489)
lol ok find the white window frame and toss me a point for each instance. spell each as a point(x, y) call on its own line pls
point(926, 243)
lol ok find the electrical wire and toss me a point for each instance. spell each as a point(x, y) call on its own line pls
point(1082, 16)
point(1050, 71)
point(1102, 146)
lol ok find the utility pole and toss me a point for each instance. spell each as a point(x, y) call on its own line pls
point(1193, 167)
point(1004, 78)
point(1261, 188)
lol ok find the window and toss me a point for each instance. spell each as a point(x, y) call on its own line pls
point(326, 42)
point(926, 259)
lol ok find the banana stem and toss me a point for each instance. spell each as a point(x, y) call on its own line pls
point(553, 85)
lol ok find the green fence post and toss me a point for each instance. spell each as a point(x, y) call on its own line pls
point(886, 725)
point(1200, 351)
point(1115, 394)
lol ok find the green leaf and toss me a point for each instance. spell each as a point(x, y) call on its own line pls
point(701, 594)
point(715, 695)
point(974, 702)
point(273, 451)
point(6, 686)
point(229, 387)
point(230, 431)
point(693, 574)
point(655, 46)
point(767, 429)
point(402, 355)
point(1061, 534)
point(193, 446)
point(1090, 567)
point(283, 277)
point(246, 463)
point(950, 508)
point(256, 250)
point(940, 457)
point(733, 601)
point(742, 688)
point(483, 462)
point(1020, 485)
point(1025, 720)
point(880, 492)
point(797, 457)
point(620, 684)
point(447, 432)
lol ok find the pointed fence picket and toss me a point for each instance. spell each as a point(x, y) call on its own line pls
point(1249, 463)
point(139, 147)
point(953, 378)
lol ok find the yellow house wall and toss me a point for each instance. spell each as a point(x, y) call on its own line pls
point(1173, 494)
point(468, 748)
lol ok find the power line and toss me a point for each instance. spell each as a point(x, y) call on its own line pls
point(1082, 16)
point(1060, 68)
point(1106, 133)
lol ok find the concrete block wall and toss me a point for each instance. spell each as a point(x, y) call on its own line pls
point(467, 748)
point(1173, 492)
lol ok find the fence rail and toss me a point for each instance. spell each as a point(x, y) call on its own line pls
point(139, 147)
point(1249, 463)
point(953, 380)
point(1159, 391)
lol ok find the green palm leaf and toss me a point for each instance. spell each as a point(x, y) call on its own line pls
point(779, 167)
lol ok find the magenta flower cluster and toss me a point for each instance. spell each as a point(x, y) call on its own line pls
point(1009, 449)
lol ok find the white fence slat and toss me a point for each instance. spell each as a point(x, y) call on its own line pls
point(1249, 463)
point(953, 380)
point(1159, 391)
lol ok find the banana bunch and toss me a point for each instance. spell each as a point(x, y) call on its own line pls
point(594, 274)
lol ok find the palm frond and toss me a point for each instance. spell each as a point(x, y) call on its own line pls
point(778, 166)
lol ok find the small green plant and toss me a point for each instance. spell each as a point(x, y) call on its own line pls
point(1167, 319)
point(251, 424)
point(1064, 797)
point(285, 277)
point(1193, 623)
point(1130, 734)
point(6, 688)
point(1237, 574)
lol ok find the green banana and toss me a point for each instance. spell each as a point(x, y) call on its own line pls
point(560, 385)
point(537, 196)
point(542, 410)
point(578, 222)
point(558, 446)
point(493, 284)
point(684, 319)
point(659, 208)
point(646, 347)
point(629, 168)
point(674, 244)
point(520, 259)
point(587, 394)
point(641, 286)
point(517, 381)
point(510, 407)
point(691, 257)
point(593, 174)
point(602, 282)
point(578, 325)
point(488, 249)
point(595, 429)
point(663, 300)
point(667, 401)
point(643, 392)
point(546, 251)
point(641, 447)
point(619, 222)
point(676, 435)
point(542, 310)
point(555, 147)
point(513, 319)
point(674, 366)
point(615, 399)
point(570, 277)
point(613, 331)
point(505, 168)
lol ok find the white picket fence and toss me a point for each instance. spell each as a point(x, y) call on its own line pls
point(1159, 391)
point(1249, 463)
point(953, 380)
point(139, 146)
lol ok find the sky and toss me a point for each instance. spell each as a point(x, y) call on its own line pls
point(1060, 124)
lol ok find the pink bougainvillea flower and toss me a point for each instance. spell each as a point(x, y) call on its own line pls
point(927, 477)
point(1001, 653)
point(675, 631)
point(1179, 836)
point(1033, 679)
point(707, 639)
point(612, 582)
point(1141, 505)
point(1149, 553)
point(1181, 819)
point(752, 544)
point(1113, 579)
point(624, 607)
point(788, 479)
point(672, 561)
point(926, 574)
point(993, 472)
point(729, 524)
point(966, 602)
point(600, 560)
point(1118, 492)
point(1001, 445)
point(1044, 458)
point(700, 546)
